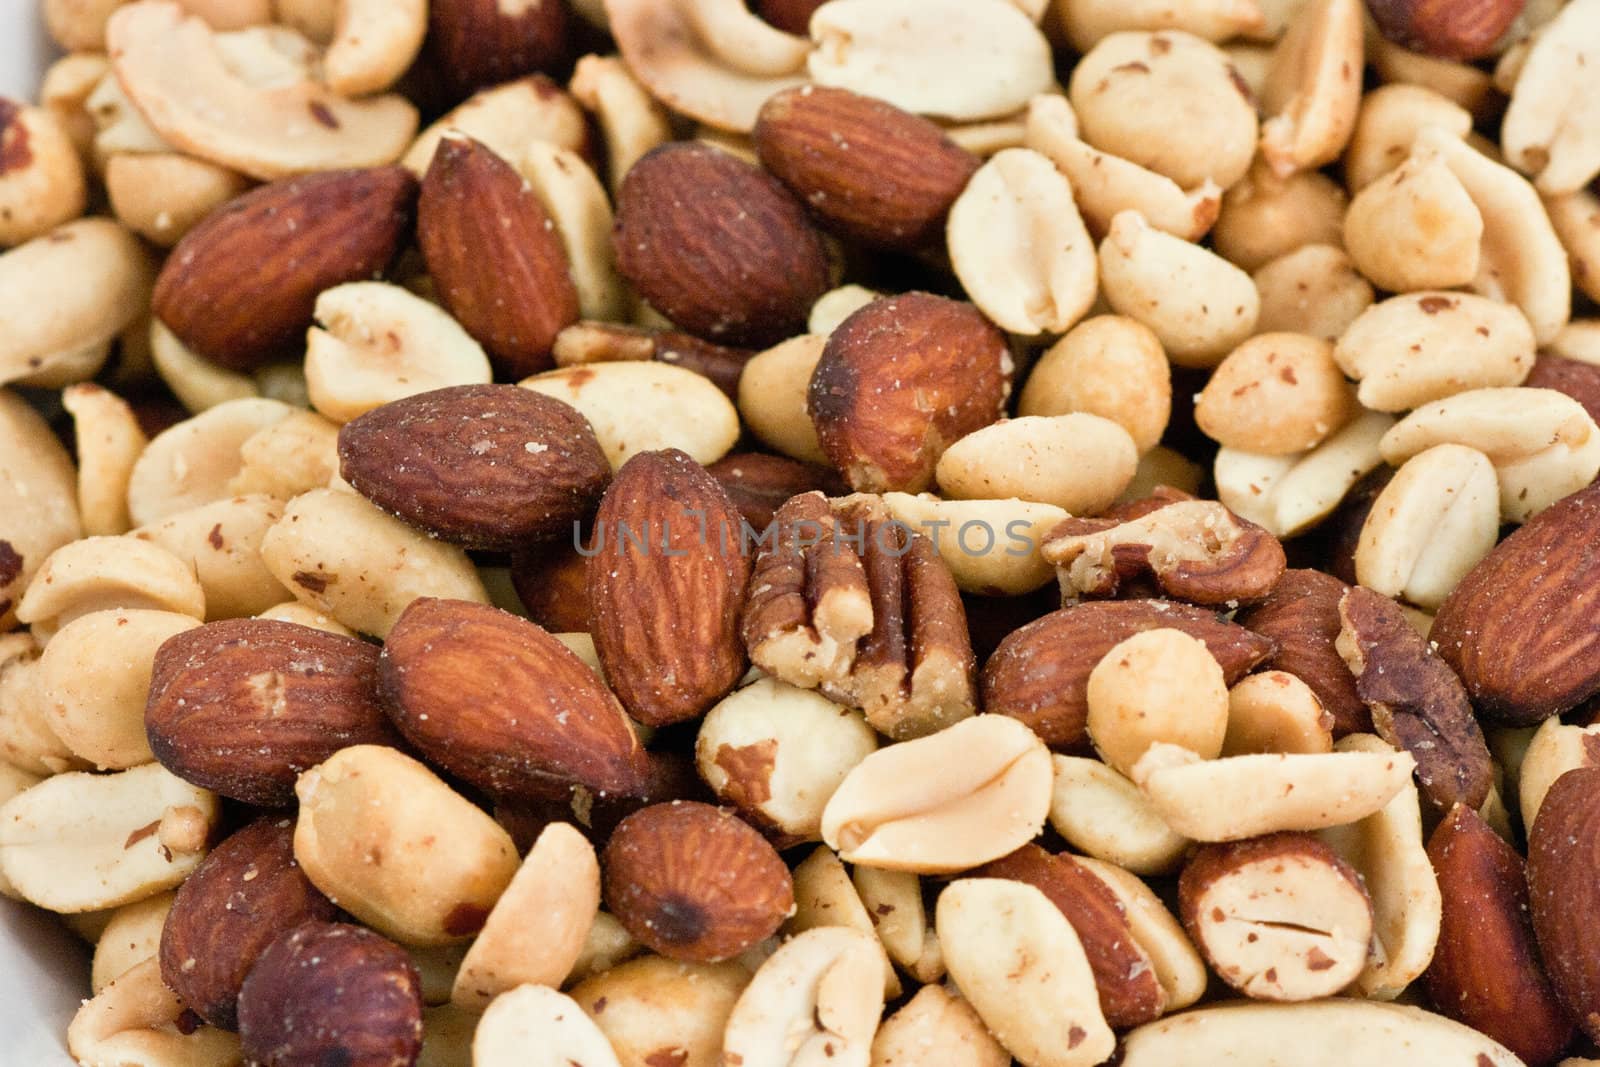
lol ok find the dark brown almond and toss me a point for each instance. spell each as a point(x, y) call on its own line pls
point(791, 16)
point(666, 587)
point(242, 706)
point(331, 993)
point(1040, 674)
point(718, 246)
point(863, 166)
point(759, 483)
point(1301, 616)
point(1448, 29)
point(1579, 380)
point(484, 466)
point(1522, 629)
point(693, 882)
point(1486, 971)
point(478, 43)
point(498, 702)
point(901, 380)
point(494, 255)
point(552, 581)
point(1564, 892)
point(240, 288)
point(246, 892)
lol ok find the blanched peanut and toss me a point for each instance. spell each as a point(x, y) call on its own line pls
point(1574, 218)
point(1088, 21)
point(194, 462)
point(1109, 366)
point(1077, 462)
point(1178, 966)
point(893, 900)
point(629, 118)
point(1388, 124)
point(817, 998)
point(198, 383)
point(1416, 227)
point(1275, 711)
point(38, 498)
point(305, 615)
point(1265, 216)
point(824, 895)
point(109, 442)
point(26, 740)
point(98, 573)
point(1156, 686)
point(1313, 89)
point(772, 396)
point(991, 546)
point(936, 1029)
point(1162, 466)
point(135, 1020)
point(222, 542)
point(1315, 290)
point(14, 780)
point(1276, 394)
point(163, 195)
point(535, 1025)
point(1554, 749)
point(661, 1009)
point(1098, 811)
point(639, 407)
point(132, 936)
point(836, 305)
point(1290, 494)
point(578, 205)
point(42, 185)
point(1549, 126)
point(295, 455)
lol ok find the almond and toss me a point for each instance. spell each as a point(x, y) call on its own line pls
point(899, 381)
point(718, 246)
point(482, 466)
point(478, 43)
point(1577, 379)
point(240, 287)
point(242, 706)
point(758, 483)
point(1486, 970)
point(1301, 616)
point(666, 587)
point(693, 882)
point(1448, 29)
point(1523, 628)
point(1040, 673)
point(551, 581)
point(1563, 873)
point(498, 702)
point(495, 256)
point(246, 892)
point(864, 167)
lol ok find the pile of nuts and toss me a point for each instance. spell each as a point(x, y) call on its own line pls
point(887, 533)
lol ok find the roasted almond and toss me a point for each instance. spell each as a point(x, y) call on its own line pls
point(478, 43)
point(1523, 627)
point(1577, 379)
point(899, 381)
point(482, 466)
point(758, 483)
point(1448, 29)
point(498, 702)
point(245, 893)
point(718, 246)
point(666, 586)
point(1301, 616)
point(1040, 673)
point(1563, 876)
point(240, 287)
point(242, 706)
point(551, 580)
point(494, 255)
point(863, 166)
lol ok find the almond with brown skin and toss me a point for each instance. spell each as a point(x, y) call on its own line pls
point(1523, 627)
point(718, 246)
point(331, 993)
point(494, 255)
point(1564, 892)
point(552, 580)
point(239, 289)
point(242, 706)
point(498, 702)
point(863, 166)
point(1040, 673)
point(478, 43)
point(758, 483)
point(1486, 970)
point(246, 892)
point(899, 381)
point(1579, 380)
point(666, 587)
point(791, 16)
point(1301, 616)
point(1130, 994)
point(693, 882)
point(1448, 29)
point(483, 466)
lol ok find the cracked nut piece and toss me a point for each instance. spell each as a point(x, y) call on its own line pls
point(507, 118)
point(99, 573)
point(1416, 227)
point(1077, 462)
point(109, 441)
point(1554, 749)
point(222, 542)
point(664, 1010)
point(1101, 813)
point(936, 1028)
point(1314, 290)
point(137, 1019)
point(951, 801)
point(1276, 394)
point(534, 1024)
point(1264, 216)
point(1280, 917)
point(693, 882)
point(1156, 686)
point(816, 999)
point(194, 462)
point(1563, 857)
point(38, 499)
point(1549, 125)
point(826, 895)
point(1016, 958)
point(967, 534)
point(1109, 366)
point(1274, 711)
point(41, 177)
point(1313, 88)
point(902, 379)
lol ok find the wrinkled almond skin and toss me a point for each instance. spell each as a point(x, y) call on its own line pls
point(482, 466)
point(240, 287)
point(242, 706)
point(1523, 627)
point(758, 483)
point(693, 882)
point(495, 256)
point(899, 381)
point(477, 43)
point(863, 166)
point(1486, 970)
point(1563, 876)
point(1449, 29)
point(1130, 995)
point(246, 892)
point(498, 702)
point(1040, 673)
point(718, 246)
point(666, 614)
point(332, 993)
point(1301, 616)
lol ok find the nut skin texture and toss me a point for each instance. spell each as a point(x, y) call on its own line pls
point(1301, 616)
point(550, 582)
point(758, 484)
point(693, 882)
point(1579, 380)
point(1563, 871)
point(1522, 628)
point(246, 892)
point(669, 663)
point(332, 993)
point(1486, 970)
point(240, 287)
point(1448, 29)
point(901, 379)
point(242, 706)
point(482, 466)
point(1040, 673)
point(477, 44)
point(498, 702)
point(718, 246)
point(495, 256)
point(864, 167)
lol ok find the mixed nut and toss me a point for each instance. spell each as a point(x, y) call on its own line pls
point(894, 533)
